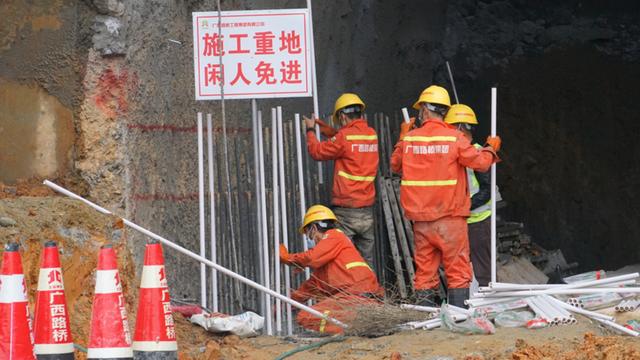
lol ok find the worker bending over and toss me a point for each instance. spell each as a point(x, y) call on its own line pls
point(433, 192)
point(355, 150)
point(341, 280)
point(464, 119)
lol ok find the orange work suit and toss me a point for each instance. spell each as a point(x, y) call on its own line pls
point(434, 194)
point(341, 281)
point(355, 151)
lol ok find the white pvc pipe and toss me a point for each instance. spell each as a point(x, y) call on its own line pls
point(575, 285)
point(540, 312)
point(419, 308)
point(283, 208)
point(476, 302)
point(276, 215)
point(635, 290)
point(195, 256)
point(203, 269)
point(405, 115)
point(577, 310)
point(535, 287)
point(550, 308)
point(494, 110)
point(212, 220)
point(303, 202)
point(618, 327)
point(265, 231)
point(314, 81)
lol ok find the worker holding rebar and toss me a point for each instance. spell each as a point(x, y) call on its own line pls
point(354, 147)
point(432, 159)
point(341, 280)
point(463, 118)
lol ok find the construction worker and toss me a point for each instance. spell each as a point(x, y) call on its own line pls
point(464, 119)
point(433, 192)
point(341, 280)
point(355, 150)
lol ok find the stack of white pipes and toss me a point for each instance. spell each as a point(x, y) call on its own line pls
point(628, 305)
point(540, 298)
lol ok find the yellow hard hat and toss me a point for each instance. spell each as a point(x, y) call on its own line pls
point(434, 94)
point(460, 113)
point(346, 99)
point(317, 213)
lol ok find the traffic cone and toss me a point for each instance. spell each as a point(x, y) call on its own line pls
point(51, 326)
point(110, 337)
point(16, 338)
point(155, 335)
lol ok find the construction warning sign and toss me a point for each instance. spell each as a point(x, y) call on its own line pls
point(253, 54)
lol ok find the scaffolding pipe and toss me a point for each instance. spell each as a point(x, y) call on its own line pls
point(197, 257)
point(212, 220)
point(265, 232)
point(405, 115)
point(256, 171)
point(203, 269)
point(314, 82)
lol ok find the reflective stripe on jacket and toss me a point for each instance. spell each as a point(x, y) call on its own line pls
point(355, 151)
point(432, 160)
point(338, 268)
point(482, 212)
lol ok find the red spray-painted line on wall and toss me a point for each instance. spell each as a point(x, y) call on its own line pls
point(178, 129)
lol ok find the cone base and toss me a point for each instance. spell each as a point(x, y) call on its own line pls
point(155, 355)
point(68, 356)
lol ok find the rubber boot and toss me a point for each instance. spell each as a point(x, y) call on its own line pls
point(426, 298)
point(458, 296)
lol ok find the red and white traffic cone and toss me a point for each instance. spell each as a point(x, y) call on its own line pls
point(155, 335)
point(51, 326)
point(110, 337)
point(16, 338)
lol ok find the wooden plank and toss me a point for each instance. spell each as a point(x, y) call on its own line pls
point(402, 239)
point(388, 216)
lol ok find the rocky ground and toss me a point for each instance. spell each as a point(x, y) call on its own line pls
point(31, 215)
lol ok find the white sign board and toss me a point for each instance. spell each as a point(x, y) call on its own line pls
point(265, 54)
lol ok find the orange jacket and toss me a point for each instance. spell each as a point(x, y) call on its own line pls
point(355, 151)
point(338, 268)
point(432, 161)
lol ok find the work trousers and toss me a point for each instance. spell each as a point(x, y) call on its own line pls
point(443, 241)
point(357, 224)
point(343, 307)
point(480, 245)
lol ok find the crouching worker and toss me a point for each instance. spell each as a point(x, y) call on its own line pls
point(341, 280)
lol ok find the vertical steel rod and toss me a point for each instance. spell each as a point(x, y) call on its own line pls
point(265, 232)
point(203, 268)
point(276, 216)
point(283, 209)
point(494, 121)
point(212, 221)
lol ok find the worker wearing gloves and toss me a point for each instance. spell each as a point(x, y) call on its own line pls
point(432, 159)
point(341, 280)
point(355, 150)
point(464, 119)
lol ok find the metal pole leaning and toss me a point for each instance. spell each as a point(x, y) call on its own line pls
point(212, 220)
point(494, 121)
point(276, 215)
point(314, 82)
point(453, 83)
point(283, 209)
point(303, 202)
point(197, 257)
point(203, 269)
point(265, 231)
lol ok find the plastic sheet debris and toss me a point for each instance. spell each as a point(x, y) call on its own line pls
point(476, 324)
point(245, 324)
point(513, 319)
point(537, 323)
